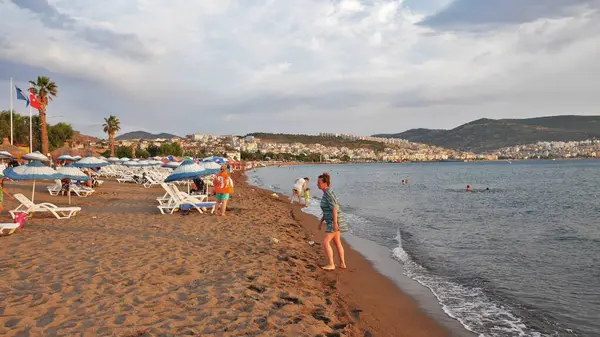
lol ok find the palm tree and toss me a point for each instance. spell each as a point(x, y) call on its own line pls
point(111, 127)
point(44, 91)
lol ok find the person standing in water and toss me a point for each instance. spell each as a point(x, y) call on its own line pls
point(334, 222)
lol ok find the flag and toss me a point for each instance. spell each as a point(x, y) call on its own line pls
point(33, 101)
point(21, 96)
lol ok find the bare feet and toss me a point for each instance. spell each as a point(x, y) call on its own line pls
point(343, 266)
point(328, 268)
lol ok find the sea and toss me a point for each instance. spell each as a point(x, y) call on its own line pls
point(518, 256)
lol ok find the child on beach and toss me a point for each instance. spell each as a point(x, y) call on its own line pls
point(306, 196)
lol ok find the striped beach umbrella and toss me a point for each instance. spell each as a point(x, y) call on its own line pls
point(189, 170)
point(72, 172)
point(35, 156)
point(218, 160)
point(6, 155)
point(91, 162)
point(172, 164)
point(35, 170)
point(65, 157)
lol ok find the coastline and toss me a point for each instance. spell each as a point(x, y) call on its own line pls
point(384, 310)
point(121, 268)
point(395, 303)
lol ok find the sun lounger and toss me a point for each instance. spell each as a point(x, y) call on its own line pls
point(9, 228)
point(82, 191)
point(27, 206)
point(56, 188)
point(178, 201)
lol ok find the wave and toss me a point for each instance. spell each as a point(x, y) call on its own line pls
point(475, 310)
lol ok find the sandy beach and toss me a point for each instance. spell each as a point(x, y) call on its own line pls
point(120, 268)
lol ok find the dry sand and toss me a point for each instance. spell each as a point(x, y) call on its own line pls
point(120, 268)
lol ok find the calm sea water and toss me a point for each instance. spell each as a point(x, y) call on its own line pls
point(522, 259)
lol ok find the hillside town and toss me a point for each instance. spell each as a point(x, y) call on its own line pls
point(552, 150)
point(250, 147)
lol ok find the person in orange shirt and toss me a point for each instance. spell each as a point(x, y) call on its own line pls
point(223, 185)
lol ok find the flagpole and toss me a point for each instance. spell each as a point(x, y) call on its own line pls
point(30, 126)
point(11, 112)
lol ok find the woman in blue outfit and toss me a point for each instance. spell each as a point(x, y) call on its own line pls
point(334, 222)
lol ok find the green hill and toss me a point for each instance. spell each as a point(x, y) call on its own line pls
point(326, 141)
point(144, 135)
point(485, 135)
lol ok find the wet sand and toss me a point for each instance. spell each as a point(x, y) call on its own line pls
point(120, 268)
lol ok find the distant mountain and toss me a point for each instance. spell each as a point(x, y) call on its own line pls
point(484, 135)
point(144, 135)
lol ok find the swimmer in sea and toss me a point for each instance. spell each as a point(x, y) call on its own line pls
point(469, 188)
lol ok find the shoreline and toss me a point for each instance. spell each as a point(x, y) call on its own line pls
point(388, 310)
point(121, 268)
point(396, 293)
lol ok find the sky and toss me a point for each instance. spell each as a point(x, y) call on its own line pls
point(308, 66)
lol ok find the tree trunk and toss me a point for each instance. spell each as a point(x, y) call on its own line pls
point(43, 131)
point(111, 140)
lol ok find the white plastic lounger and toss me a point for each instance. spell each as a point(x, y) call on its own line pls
point(177, 201)
point(56, 188)
point(27, 206)
point(82, 191)
point(8, 228)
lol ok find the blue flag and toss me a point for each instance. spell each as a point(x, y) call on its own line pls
point(21, 96)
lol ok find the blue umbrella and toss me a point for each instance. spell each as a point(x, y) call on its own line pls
point(35, 170)
point(90, 162)
point(189, 170)
point(35, 156)
point(72, 172)
point(65, 157)
point(218, 160)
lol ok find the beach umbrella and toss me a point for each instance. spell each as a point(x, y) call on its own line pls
point(91, 162)
point(218, 160)
point(188, 170)
point(6, 155)
point(32, 171)
point(77, 157)
point(130, 163)
point(124, 159)
point(211, 165)
point(102, 158)
point(35, 156)
point(65, 157)
point(173, 164)
point(73, 173)
point(113, 159)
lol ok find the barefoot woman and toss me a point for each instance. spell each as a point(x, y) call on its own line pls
point(334, 222)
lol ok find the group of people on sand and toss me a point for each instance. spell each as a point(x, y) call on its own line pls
point(332, 216)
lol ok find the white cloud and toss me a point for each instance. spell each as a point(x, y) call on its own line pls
point(364, 66)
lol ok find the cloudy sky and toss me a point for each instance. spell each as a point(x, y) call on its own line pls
point(303, 66)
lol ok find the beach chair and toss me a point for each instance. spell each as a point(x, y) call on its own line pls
point(166, 197)
point(82, 191)
point(9, 228)
point(177, 200)
point(56, 188)
point(27, 206)
point(150, 181)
